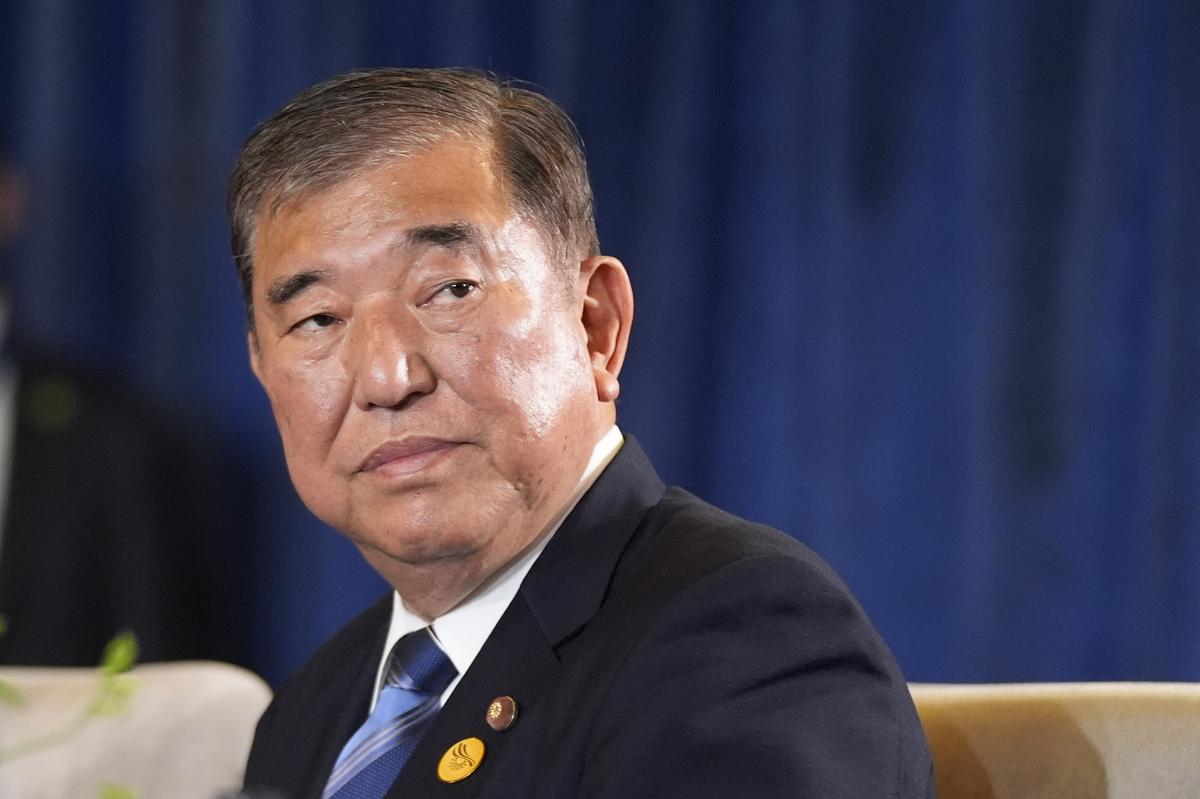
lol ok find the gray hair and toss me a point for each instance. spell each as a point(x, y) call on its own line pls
point(361, 120)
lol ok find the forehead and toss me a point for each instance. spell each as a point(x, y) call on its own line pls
point(453, 179)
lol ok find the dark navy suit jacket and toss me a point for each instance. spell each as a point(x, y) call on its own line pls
point(659, 647)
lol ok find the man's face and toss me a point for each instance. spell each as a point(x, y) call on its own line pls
point(426, 361)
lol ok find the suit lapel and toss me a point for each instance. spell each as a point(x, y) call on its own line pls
point(559, 596)
point(516, 662)
point(353, 677)
point(344, 723)
point(568, 583)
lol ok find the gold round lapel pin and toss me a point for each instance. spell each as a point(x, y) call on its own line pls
point(461, 760)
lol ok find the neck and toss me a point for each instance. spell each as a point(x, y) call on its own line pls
point(431, 590)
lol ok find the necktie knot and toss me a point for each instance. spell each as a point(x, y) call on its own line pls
point(417, 663)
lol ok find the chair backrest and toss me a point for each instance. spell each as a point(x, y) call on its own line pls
point(184, 734)
point(1063, 740)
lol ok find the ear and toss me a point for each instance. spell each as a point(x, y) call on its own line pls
point(607, 316)
point(255, 355)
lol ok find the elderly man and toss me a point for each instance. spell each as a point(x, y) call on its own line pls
point(441, 339)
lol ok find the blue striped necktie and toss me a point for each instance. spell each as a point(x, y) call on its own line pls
point(418, 672)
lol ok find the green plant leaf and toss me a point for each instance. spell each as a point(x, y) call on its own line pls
point(114, 696)
point(109, 791)
point(121, 653)
point(9, 695)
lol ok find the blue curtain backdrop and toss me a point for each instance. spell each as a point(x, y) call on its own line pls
point(918, 283)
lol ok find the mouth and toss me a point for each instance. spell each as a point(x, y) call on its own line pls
point(408, 456)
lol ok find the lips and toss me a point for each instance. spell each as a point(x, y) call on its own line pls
point(406, 456)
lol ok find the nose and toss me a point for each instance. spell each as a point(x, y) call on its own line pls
point(389, 367)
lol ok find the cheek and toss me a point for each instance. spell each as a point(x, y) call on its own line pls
point(540, 376)
point(308, 405)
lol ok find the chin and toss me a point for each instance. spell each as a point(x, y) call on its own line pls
point(427, 547)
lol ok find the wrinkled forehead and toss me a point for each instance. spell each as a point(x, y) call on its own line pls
point(452, 196)
point(448, 178)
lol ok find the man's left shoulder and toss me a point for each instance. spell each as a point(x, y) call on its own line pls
point(729, 636)
point(686, 540)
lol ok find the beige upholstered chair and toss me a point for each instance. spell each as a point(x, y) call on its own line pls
point(184, 734)
point(1063, 740)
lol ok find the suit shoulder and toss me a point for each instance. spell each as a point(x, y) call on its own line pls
point(291, 741)
point(691, 562)
point(792, 674)
point(685, 539)
point(340, 660)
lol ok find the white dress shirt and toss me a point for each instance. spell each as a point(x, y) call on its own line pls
point(462, 631)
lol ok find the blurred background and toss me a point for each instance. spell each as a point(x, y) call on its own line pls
point(917, 283)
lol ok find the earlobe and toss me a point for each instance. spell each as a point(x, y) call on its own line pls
point(607, 317)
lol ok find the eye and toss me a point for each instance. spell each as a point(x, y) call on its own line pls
point(315, 322)
point(454, 290)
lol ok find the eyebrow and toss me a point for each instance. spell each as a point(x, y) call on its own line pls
point(450, 235)
point(285, 289)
